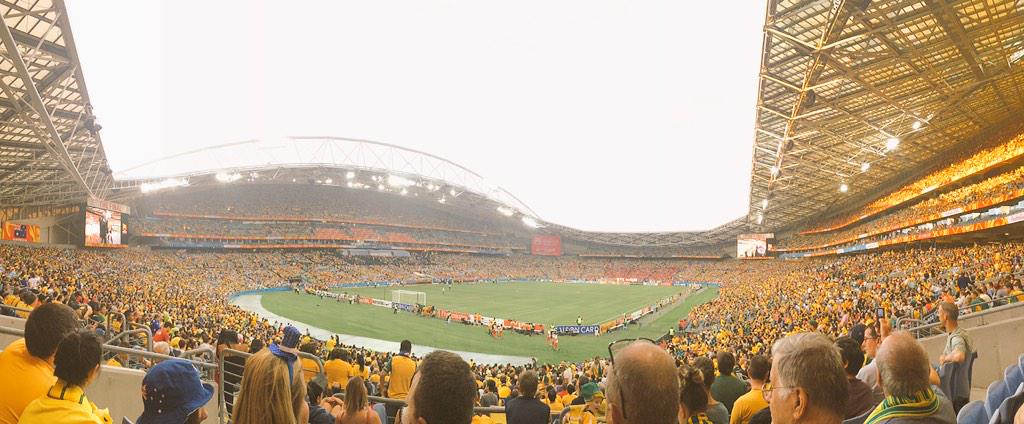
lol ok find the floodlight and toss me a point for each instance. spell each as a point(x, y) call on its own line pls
point(404, 192)
point(225, 177)
point(760, 218)
point(350, 175)
point(892, 143)
point(328, 181)
point(380, 187)
point(764, 204)
point(506, 211)
point(775, 171)
point(843, 188)
point(399, 181)
point(160, 185)
point(864, 167)
point(442, 200)
point(530, 222)
point(917, 125)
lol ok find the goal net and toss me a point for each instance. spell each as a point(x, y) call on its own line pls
point(409, 297)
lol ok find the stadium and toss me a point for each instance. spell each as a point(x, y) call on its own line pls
point(877, 273)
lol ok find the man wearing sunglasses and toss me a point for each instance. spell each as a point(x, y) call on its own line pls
point(643, 387)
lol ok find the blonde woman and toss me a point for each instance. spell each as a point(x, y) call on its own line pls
point(272, 391)
point(357, 407)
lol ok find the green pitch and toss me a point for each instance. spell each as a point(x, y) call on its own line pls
point(546, 303)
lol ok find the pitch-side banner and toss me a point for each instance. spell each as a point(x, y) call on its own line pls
point(21, 232)
point(577, 329)
point(546, 245)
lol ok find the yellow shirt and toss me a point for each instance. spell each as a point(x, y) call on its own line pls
point(23, 305)
point(309, 369)
point(746, 406)
point(556, 406)
point(34, 377)
point(482, 419)
point(338, 372)
point(402, 369)
point(504, 392)
point(66, 405)
point(567, 399)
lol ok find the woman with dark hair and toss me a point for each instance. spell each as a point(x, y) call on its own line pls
point(76, 364)
point(357, 406)
point(693, 396)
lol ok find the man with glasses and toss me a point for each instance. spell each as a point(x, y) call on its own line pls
point(869, 372)
point(808, 384)
point(643, 387)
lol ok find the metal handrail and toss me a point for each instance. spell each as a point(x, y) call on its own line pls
point(123, 334)
point(206, 352)
point(403, 403)
point(926, 327)
point(15, 308)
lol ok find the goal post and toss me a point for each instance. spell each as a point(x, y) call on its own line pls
point(409, 297)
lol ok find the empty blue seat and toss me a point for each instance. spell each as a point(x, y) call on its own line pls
point(995, 396)
point(1013, 377)
point(972, 413)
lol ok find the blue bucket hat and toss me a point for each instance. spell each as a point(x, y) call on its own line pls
point(172, 391)
point(288, 348)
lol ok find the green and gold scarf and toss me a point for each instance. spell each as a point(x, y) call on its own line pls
point(922, 404)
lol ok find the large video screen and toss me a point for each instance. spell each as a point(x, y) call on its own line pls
point(104, 227)
point(546, 245)
point(754, 245)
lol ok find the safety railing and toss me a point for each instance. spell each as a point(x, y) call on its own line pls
point(124, 334)
point(14, 309)
point(922, 328)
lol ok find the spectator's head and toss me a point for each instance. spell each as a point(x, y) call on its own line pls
point(808, 380)
point(162, 348)
point(173, 394)
point(256, 345)
point(853, 357)
point(28, 297)
point(442, 391)
point(726, 362)
point(903, 368)
point(528, 383)
point(78, 357)
point(693, 397)
point(642, 386)
point(759, 368)
point(314, 393)
point(405, 348)
point(272, 392)
point(857, 333)
point(871, 341)
point(948, 314)
point(552, 395)
point(707, 367)
point(336, 353)
point(46, 327)
point(492, 387)
point(356, 397)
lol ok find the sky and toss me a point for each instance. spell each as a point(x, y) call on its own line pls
point(600, 115)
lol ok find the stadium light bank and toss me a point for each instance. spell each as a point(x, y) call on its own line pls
point(163, 184)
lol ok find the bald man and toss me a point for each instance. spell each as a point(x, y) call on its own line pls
point(903, 374)
point(642, 386)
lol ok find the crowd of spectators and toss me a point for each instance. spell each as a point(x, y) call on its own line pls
point(1010, 149)
point(927, 210)
point(760, 303)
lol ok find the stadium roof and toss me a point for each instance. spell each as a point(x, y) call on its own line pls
point(839, 79)
point(50, 151)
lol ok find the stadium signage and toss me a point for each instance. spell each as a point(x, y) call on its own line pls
point(577, 329)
